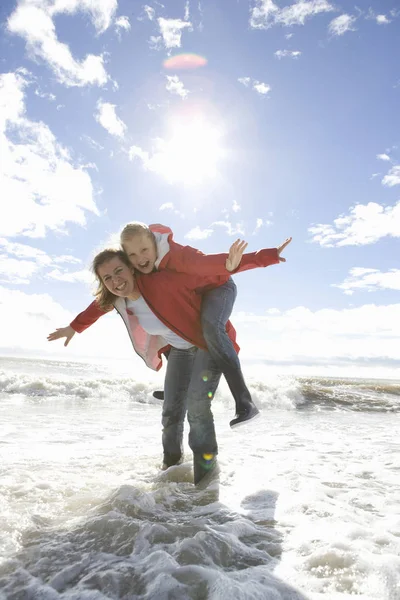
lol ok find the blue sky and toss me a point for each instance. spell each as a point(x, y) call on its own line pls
point(291, 128)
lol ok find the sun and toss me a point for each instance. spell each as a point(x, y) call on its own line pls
point(191, 152)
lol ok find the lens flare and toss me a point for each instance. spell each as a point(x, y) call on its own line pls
point(184, 62)
point(208, 456)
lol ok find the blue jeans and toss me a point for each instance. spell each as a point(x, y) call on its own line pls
point(216, 309)
point(191, 380)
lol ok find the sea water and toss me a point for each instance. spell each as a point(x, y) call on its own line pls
point(306, 504)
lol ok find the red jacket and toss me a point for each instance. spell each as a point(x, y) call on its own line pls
point(173, 296)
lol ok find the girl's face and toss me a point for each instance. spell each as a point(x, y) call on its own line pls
point(117, 277)
point(142, 252)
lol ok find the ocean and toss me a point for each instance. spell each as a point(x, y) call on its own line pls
point(305, 504)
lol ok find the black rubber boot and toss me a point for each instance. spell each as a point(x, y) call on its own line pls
point(170, 460)
point(245, 414)
point(159, 394)
point(202, 465)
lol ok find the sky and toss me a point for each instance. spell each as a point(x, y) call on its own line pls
point(284, 122)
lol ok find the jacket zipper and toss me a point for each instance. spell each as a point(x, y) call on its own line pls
point(130, 336)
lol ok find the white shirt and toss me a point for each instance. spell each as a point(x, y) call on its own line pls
point(153, 325)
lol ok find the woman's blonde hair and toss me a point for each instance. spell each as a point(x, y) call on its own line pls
point(135, 228)
point(104, 297)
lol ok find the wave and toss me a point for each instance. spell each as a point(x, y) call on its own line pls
point(288, 393)
point(49, 387)
point(357, 395)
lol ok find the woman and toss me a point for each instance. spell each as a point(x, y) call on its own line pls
point(192, 377)
point(169, 315)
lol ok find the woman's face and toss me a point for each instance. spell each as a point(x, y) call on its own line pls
point(117, 277)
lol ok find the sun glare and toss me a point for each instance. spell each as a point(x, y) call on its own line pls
point(191, 153)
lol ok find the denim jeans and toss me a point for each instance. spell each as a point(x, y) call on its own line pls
point(216, 309)
point(191, 380)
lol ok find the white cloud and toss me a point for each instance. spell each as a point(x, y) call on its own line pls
point(91, 142)
point(171, 31)
point(341, 24)
point(82, 276)
point(33, 20)
point(150, 12)
point(257, 86)
point(137, 152)
point(108, 119)
point(187, 11)
point(16, 271)
point(167, 205)
point(122, 23)
point(261, 88)
point(266, 13)
point(366, 224)
point(47, 189)
point(155, 42)
point(31, 261)
point(382, 20)
point(231, 229)
point(366, 334)
point(66, 258)
point(198, 234)
point(287, 53)
point(46, 95)
point(170, 206)
point(24, 251)
point(260, 223)
point(175, 86)
point(393, 177)
point(236, 207)
point(383, 157)
point(371, 280)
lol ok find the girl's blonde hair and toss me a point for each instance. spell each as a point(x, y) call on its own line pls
point(135, 228)
point(104, 297)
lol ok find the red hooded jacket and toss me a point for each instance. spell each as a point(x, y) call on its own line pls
point(173, 292)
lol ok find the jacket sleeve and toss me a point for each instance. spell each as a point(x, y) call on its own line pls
point(185, 259)
point(86, 318)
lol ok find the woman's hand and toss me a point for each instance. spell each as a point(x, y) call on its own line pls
point(282, 247)
point(66, 332)
point(235, 255)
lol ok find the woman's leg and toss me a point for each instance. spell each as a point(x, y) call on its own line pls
point(177, 380)
point(202, 438)
point(216, 309)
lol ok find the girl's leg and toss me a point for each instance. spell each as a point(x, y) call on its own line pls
point(177, 380)
point(216, 309)
point(202, 438)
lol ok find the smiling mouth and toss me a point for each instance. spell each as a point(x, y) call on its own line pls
point(120, 287)
point(144, 265)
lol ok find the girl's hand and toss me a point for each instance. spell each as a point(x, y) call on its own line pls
point(66, 332)
point(235, 255)
point(282, 247)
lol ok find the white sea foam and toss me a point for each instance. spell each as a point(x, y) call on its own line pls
point(305, 505)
